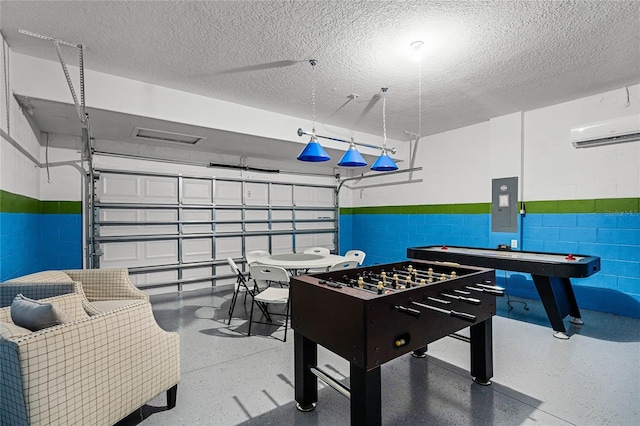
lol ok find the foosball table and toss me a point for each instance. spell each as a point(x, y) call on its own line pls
point(373, 315)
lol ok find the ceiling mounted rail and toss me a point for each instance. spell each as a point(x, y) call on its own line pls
point(302, 133)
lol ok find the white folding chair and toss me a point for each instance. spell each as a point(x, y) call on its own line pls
point(271, 295)
point(358, 255)
point(254, 255)
point(240, 286)
point(317, 250)
point(347, 264)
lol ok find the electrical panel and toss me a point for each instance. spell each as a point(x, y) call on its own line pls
point(504, 205)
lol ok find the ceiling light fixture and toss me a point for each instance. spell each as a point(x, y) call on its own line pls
point(352, 158)
point(384, 163)
point(347, 156)
point(313, 152)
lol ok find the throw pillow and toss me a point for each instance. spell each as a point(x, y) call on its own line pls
point(35, 315)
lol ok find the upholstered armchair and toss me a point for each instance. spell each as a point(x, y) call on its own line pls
point(102, 289)
point(87, 370)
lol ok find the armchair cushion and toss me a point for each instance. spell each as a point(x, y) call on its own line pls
point(36, 315)
point(44, 277)
point(102, 289)
point(12, 331)
point(107, 284)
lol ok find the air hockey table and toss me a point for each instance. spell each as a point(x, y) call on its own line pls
point(551, 274)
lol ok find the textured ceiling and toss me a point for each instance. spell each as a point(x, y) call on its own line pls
point(482, 59)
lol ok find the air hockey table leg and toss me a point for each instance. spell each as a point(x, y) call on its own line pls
point(305, 382)
point(559, 301)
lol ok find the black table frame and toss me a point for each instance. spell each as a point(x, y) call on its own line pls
point(551, 279)
point(366, 385)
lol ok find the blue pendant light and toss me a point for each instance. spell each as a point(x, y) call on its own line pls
point(384, 163)
point(352, 158)
point(314, 152)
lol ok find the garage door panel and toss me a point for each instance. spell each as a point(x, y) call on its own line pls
point(281, 195)
point(325, 240)
point(176, 231)
point(159, 215)
point(313, 225)
point(257, 242)
point(228, 247)
point(228, 193)
point(195, 273)
point(189, 215)
point(120, 254)
point(160, 252)
point(256, 194)
point(282, 226)
point(228, 227)
point(160, 190)
point(281, 244)
point(139, 253)
point(140, 230)
point(197, 250)
point(197, 191)
point(119, 188)
point(314, 196)
point(150, 278)
point(314, 214)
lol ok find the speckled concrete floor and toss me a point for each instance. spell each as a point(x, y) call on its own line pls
point(231, 379)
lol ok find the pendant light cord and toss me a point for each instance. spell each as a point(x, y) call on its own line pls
point(313, 63)
point(419, 98)
point(384, 120)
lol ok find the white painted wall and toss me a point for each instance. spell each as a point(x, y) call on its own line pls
point(534, 146)
point(61, 176)
point(18, 173)
point(554, 169)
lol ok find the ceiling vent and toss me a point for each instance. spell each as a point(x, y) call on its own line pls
point(608, 132)
point(162, 136)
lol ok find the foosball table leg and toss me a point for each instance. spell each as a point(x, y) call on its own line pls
point(420, 352)
point(366, 396)
point(306, 383)
point(481, 339)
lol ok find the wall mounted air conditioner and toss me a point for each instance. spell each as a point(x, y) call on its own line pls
point(607, 132)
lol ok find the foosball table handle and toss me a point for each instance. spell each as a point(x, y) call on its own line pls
point(409, 311)
point(463, 316)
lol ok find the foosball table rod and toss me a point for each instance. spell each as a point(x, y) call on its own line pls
point(325, 377)
point(460, 315)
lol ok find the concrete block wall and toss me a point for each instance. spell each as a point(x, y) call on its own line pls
point(578, 201)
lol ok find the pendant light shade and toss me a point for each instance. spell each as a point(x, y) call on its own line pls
point(384, 163)
point(314, 152)
point(352, 158)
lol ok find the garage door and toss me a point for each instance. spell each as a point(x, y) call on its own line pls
point(174, 232)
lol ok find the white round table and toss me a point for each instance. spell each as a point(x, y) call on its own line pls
point(298, 261)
